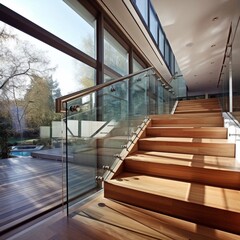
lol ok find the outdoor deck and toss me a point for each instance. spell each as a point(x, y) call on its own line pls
point(30, 186)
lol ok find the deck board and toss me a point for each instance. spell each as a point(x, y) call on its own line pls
point(31, 186)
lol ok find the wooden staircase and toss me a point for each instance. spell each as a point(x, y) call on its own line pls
point(185, 167)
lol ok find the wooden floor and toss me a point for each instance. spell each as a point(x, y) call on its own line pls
point(103, 219)
point(30, 186)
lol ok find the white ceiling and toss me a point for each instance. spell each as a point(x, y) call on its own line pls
point(191, 31)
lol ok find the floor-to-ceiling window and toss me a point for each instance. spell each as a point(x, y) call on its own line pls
point(33, 74)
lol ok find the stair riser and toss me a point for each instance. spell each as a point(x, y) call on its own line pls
point(196, 111)
point(198, 101)
point(208, 216)
point(191, 133)
point(209, 106)
point(218, 178)
point(200, 122)
point(211, 149)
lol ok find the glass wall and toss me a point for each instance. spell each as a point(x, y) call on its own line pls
point(35, 73)
point(147, 13)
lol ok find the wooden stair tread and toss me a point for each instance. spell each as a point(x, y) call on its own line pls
point(209, 162)
point(221, 198)
point(212, 147)
point(198, 101)
point(216, 121)
point(190, 120)
point(197, 110)
point(186, 115)
point(199, 106)
point(202, 132)
point(184, 139)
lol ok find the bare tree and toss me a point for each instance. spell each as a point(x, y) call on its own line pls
point(20, 62)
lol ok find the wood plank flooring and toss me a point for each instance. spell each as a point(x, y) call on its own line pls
point(30, 186)
point(103, 219)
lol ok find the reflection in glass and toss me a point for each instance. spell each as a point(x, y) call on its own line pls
point(143, 8)
point(153, 24)
point(69, 20)
point(161, 41)
point(115, 55)
point(167, 53)
point(136, 66)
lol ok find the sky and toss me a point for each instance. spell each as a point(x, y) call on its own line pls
point(61, 20)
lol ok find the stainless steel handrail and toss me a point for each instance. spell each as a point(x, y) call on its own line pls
point(61, 100)
point(228, 45)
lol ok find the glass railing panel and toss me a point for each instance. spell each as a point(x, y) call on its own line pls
point(166, 105)
point(97, 130)
point(102, 126)
point(224, 85)
point(138, 101)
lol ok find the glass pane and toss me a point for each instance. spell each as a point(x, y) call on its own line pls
point(161, 41)
point(153, 24)
point(143, 8)
point(152, 94)
point(69, 74)
point(34, 75)
point(112, 47)
point(136, 66)
point(160, 99)
point(69, 20)
point(167, 53)
point(172, 63)
point(97, 129)
point(138, 95)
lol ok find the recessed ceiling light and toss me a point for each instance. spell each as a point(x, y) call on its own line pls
point(215, 19)
point(213, 45)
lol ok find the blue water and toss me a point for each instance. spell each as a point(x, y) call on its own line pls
point(21, 154)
